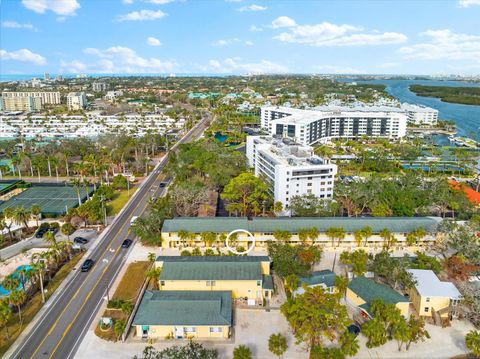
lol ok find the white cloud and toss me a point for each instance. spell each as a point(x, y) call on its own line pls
point(252, 7)
point(254, 28)
point(59, 7)
point(388, 65)
point(234, 65)
point(152, 41)
point(17, 25)
point(23, 55)
point(328, 34)
point(283, 21)
point(249, 43)
point(128, 2)
point(73, 67)
point(468, 3)
point(142, 15)
point(124, 59)
point(224, 42)
point(444, 44)
point(159, 2)
point(334, 69)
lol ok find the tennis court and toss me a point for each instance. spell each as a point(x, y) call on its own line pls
point(53, 200)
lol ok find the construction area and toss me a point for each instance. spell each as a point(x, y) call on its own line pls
point(54, 200)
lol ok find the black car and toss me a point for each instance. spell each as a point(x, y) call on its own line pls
point(126, 243)
point(54, 230)
point(87, 265)
point(163, 184)
point(40, 233)
point(80, 240)
point(354, 329)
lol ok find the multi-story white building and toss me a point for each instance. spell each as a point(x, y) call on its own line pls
point(99, 86)
point(112, 95)
point(51, 98)
point(76, 100)
point(25, 103)
point(290, 169)
point(325, 123)
point(420, 115)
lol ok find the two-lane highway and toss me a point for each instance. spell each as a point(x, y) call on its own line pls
point(60, 330)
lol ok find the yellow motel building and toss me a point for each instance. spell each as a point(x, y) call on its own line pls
point(431, 296)
point(362, 291)
point(247, 277)
point(263, 230)
point(184, 315)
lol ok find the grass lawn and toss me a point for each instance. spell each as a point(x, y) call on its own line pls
point(119, 200)
point(128, 290)
point(31, 308)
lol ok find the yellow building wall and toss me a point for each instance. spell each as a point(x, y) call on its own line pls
point(239, 288)
point(354, 298)
point(164, 331)
point(404, 308)
point(420, 303)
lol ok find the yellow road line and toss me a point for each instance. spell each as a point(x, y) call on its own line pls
point(85, 281)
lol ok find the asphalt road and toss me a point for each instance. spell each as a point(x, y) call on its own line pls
point(60, 330)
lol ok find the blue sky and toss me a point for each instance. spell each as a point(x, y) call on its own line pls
point(195, 36)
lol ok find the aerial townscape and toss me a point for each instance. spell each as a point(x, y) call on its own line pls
point(239, 179)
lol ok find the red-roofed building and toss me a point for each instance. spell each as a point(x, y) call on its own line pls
point(472, 195)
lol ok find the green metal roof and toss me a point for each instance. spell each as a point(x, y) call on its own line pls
point(267, 282)
point(326, 277)
point(211, 271)
point(185, 308)
point(369, 290)
point(294, 224)
point(214, 259)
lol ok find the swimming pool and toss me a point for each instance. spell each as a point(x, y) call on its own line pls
point(15, 274)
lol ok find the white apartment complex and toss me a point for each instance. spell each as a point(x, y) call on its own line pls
point(420, 115)
point(325, 123)
point(76, 101)
point(24, 103)
point(91, 125)
point(99, 86)
point(51, 98)
point(291, 169)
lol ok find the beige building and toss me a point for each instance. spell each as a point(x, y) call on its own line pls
point(431, 297)
point(76, 101)
point(51, 98)
point(247, 277)
point(24, 103)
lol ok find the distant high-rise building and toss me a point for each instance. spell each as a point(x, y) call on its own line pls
point(46, 76)
point(24, 103)
point(76, 101)
point(99, 86)
point(59, 78)
point(51, 98)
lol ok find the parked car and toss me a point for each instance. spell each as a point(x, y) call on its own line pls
point(41, 232)
point(163, 184)
point(80, 240)
point(134, 218)
point(54, 230)
point(354, 329)
point(126, 243)
point(87, 265)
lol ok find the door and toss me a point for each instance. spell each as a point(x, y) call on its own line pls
point(179, 332)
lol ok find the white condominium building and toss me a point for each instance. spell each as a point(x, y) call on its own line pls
point(420, 115)
point(325, 123)
point(76, 101)
point(99, 86)
point(290, 169)
point(26, 103)
point(51, 98)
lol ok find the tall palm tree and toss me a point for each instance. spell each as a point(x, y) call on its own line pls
point(76, 183)
point(17, 298)
point(21, 216)
point(38, 267)
point(367, 232)
point(36, 210)
point(5, 316)
point(10, 283)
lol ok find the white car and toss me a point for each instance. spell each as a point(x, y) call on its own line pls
point(132, 221)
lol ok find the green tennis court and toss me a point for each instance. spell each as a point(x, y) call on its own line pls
point(53, 200)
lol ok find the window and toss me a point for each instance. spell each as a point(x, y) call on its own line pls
point(259, 283)
point(426, 309)
point(213, 283)
point(189, 329)
point(215, 329)
point(209, 283)
point(427, 300)
point(162, 282)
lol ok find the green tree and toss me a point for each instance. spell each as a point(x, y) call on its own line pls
point(5, 316)
point(17, 298)
point(283, 236)
point(277, 344)
point(119, 327)
point(120, 182)
point(341, 284)
point(242, 352)
point(375, 332)
point(67, 229)
point(21, 216)
point(36, 211)
point(349, 344)
point(291, 283)
point(246, 194)
point(188, 351)
point(315, 315)
point(417, 331)
point(356, 261)
point(151, 257)
point(49, 237)
point(335, 233)
point(472, 341)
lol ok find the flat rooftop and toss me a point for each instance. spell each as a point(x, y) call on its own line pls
point(429, 285)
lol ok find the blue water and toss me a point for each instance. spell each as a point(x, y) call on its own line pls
point(15, 274)
point(466, 117)
point(220, 137)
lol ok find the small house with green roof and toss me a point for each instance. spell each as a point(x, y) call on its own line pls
point(184, 315)
point(362, 291)
point(247, 277)
point(323, 278)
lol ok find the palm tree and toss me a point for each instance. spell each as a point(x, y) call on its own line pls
point(472, 341)
point(38, 267)
point(152, 257)
point(76, 183)
point(358, 237)
point(17, 298)
point(21, 216)
point(349, 344)
point(154, 274)
point(341, 284)
point(388, 238)
point(36, 210)
point(335, 233)
point(10, 283)
point(8, 214)
point(5, 316)
point(49, 237)
point(367, 232)
point(242, 352)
